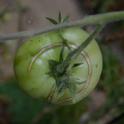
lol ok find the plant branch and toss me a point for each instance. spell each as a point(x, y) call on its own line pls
point(92, 19)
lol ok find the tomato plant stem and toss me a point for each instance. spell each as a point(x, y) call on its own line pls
point(91, 19)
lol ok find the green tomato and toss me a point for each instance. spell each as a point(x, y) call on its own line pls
point(32, 67)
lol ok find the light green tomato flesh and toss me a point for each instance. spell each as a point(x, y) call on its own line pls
point(31, 66)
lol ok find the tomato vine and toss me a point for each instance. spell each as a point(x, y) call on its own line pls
point(89, 20)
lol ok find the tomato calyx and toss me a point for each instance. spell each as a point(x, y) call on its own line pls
point(60, 70)
point(61, 76)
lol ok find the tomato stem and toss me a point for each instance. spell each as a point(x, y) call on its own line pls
point(92, 19)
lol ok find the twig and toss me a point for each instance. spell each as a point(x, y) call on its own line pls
point(92, 19)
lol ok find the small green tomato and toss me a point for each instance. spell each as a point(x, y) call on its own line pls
point(40, 74)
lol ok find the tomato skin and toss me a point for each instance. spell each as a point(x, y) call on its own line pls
point(31, 65)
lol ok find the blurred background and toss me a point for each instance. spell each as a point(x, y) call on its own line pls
point(105, 105)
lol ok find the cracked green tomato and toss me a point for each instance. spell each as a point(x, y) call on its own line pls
point(36, 66)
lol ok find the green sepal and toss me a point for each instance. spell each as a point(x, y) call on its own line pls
point(52, 64)
point(76, 65)
point(52, 20)
point(59, 20)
